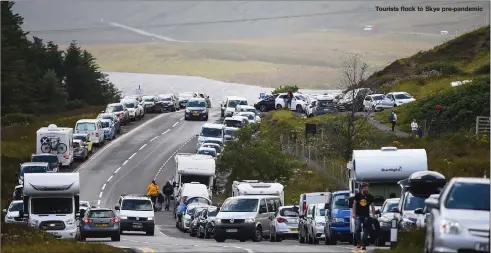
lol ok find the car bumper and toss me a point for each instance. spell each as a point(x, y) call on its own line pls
point(188, 115)
point(63, 234)
point(458, 243)
point(319, 233)
point(243, 231)
point(78, 156)
point(168, 107)
point(284, 229)
point(131, 225)
point(99, 232)
point(229, 113)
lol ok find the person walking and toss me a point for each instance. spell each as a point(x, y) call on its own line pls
point(393, 120)
point(289, 98)
point(153, 191)
point(360, 212)
point(167, 190)
point(414, 128)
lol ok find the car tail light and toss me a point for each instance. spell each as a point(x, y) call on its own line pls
point(87, 220)
point(114, 220)
point(66, 156)
point(304, 206)
point(281, 220)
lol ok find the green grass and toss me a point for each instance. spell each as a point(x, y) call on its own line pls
point(408, 242)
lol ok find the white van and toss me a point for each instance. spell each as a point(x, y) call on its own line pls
point(230, 103)
point(93, 127)
point(56, 140)
point(210, 132)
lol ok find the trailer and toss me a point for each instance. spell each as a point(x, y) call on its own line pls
point(192, 167)
point(255, 187)
point(56, 140)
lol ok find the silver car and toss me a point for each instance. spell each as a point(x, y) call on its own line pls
point(80, 150)
point(459, 219)
point(284, 224)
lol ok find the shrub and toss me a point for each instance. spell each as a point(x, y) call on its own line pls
point(76, 104)
point(286, 88)
point(482, 70)
point(445, 68)
point(16, 119)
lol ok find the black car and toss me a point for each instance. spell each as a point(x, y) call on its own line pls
point(266, 104)
point(99, 223)
point(206, 222)
point(51, 159)
point(196, 108)
point(169, 102)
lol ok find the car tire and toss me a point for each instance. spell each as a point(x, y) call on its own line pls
point(380, 242)
point(278, 107)
point(262, 108)
point(83, 238)
point(219, 239)
point(151, 232)
point(116, 238)
point(299, 109)
point(258, 235)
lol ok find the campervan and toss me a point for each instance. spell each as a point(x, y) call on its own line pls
point(194, 168)
point(255, 187)
point(56, 140)
point(51, 202)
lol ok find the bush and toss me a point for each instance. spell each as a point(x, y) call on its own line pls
point(17, 119)
point(445, 68)
point(286, 88)
point(482, 70)
point(76, 104)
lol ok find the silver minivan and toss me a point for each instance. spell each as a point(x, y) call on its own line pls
point(246, 217)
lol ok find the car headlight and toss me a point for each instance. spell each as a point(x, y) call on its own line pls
point(69, 222)
point(337, 220)
point(217, 221)
point(33, 223)
point(150, 218)
point(450, 227)
point(250, 220)
point(188, 111)
point(123, 217)
point(385, 224)
point(205, 111)
point(320, 224)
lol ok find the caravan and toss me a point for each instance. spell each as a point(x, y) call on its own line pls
point(194, 168)
point(51, 202)
point(56, 140)
point(255, 187)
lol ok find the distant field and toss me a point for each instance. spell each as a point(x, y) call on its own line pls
point(309, 60)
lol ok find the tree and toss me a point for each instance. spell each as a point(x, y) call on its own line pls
point(52, 95)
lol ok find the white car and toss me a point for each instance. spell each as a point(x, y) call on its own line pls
point(299, 102)
point(235, 121)
point(229, 133)
point(136, 213)
point(135, 110)
point(394, 99)
point(83, 205)
point(212, 145)
point(229, 104)
point(284, 224)
point(12, 213)
point(371, 101)
point(207, 151)
point(316, 220)
point(251, 117)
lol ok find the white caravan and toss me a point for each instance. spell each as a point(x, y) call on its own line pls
point(255, 187)
point(56, 140)
point(382, 169)
point(194, 168)
point(51, 202)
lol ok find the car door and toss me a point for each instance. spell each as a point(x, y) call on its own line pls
point(263, 216)
point(367, 102)
point(309, 216)
point(271, 211)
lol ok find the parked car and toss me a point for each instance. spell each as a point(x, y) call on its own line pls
point(99, 223)
point(338, 214)
point(284, 224)
point(217, 147)
point(230, 133)
point(153, 104)
point(51, 159)
point(169, 102)
point(371, 101)
point(80, 150)
point(85, 138)
point(109, 130)
point(386, 215)
point(353, 99)
point(316, 221)
point(114, 118)
point(251, 117)
point(183, 98)
point(135, 110)
point(203, 95)
point(12, 212)
point(193, 225)
point(394, 99)
point(83, 205)
point(206, 222)
point(266, 104)
point(207, 151)
point(120, 111)
point(299, 102)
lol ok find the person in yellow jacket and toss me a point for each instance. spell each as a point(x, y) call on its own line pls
point(153, 191)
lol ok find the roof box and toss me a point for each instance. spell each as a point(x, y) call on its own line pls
point(424, 183)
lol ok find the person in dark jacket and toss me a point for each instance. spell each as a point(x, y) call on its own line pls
point(167, 190)
point(289, 98)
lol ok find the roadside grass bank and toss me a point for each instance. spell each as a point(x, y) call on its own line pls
point(408, 242)
point(19, 238)
point(19, 142)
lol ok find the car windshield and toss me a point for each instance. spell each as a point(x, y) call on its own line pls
point(198, 200)
point(376, 98)
point(215, 141)
point(196, 103)
point(207, 152)
point(45, 158)
point(105, 124)
point(166, 99)
point(149, 99)
point(216, 147)
point(137, 205)
point(320, 212)
point(211, 132)
point(249, 116)
point(51, 205)
point(413, 202)
point(469, 196)
point(212, 213)
point(341, 201)
point(130, 105)
point(230, 132)
point(80, 137)
point(33, 169)
point(402, 96)
point(289, 212)
point(101, 214)
point(114, 108)
point(235, 103)
point(15, 207)
point(233, 123)
point(86, 126)
point(389, 205)
point(240, 205)
point(323, 103)
point(75, 144)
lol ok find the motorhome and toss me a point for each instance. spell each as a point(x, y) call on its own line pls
point(255, 187)
point(51, 202)
point(56, 140)
point(194, 168)
point(382, 169)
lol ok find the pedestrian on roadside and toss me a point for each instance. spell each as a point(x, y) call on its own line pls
point(414, 128)
point(420, 132)
point(393, 120)
point(167, 190)
point(289, 98)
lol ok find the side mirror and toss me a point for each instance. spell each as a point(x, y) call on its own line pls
point(197, 135)
point(394, 209)
point(117, 208)
point(102, 111)
point(432, 203)
point(378, 212)
point(418, 211)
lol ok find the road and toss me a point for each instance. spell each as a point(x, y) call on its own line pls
point(130, 163)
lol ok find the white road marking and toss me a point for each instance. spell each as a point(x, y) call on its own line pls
point(109, 179)
point(100, 195)
point(125, 162)
point(132, 156)
point(116, 171)
point(103, 187)
point(153, 138)
point(175, 124)
point(98, 203)
point(166, 131)
point(181, 118)
point(143, 146)
point(248, 250)
point(172, 156)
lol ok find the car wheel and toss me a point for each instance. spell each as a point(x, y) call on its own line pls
point(219, 239)
point(151, 232)
point(262, 108)
point(83, 238)
point(116, 238)
point(278, 107)
point(299, 108)
point(258, 235)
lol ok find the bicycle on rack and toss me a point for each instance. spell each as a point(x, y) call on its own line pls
point(53, 145)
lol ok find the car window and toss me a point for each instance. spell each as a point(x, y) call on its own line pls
point(14, 207)
point(137, 205)
point(277, 203)
point(86, 126)
point(389, 205)
point(271, 206)
point(114, 108)
point(262, 207)
point(105, 124)
point(233, 123)
point(100, 214)
point(289, 212)
point(413, 202)
point(196, 103)
point(468, 196)
point(341, 201)
point(211, 132)
point(240, 205)
point(309, 210)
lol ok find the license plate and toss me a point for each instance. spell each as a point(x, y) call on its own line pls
point(293, 230)
point(101, 225)
point(231, 230)
point(137, 225)
point(195, 114)
point(482, 247)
